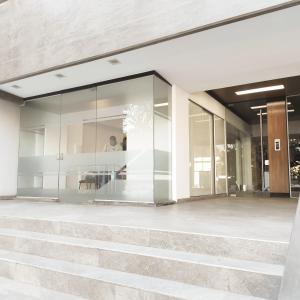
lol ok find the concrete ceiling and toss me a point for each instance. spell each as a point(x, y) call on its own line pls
point(258, 49)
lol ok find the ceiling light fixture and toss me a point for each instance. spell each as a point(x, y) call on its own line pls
point(15, 86)
point(114, 61)
point(260, 90)
point(258, 107)
point(161, 104)
point(59, 75)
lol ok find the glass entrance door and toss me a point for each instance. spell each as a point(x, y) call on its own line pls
point(77, 158)
point(39, 148)
point(293, 109)
point(201, 151)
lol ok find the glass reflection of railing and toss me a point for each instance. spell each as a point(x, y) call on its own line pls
point(103, 175)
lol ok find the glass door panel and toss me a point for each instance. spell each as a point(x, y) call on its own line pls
point(234, 159)
point(78, 178)
point(293, 105)
point(125, 141)
point(39, 148)
point(201, 151)
point(220, 155)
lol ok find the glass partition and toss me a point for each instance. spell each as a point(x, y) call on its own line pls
point(162, 141)
point(234, 159)
point(293, 104)
point(111, 142)
point(201, 151)
point(220, 155)
point(124, 156)
point(39, 148)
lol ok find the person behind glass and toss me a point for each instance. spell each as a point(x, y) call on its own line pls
point(113, 145)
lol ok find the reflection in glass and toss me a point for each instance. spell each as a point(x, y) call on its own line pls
point(201, 151)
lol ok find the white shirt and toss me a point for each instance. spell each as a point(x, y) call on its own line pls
point(110, 148)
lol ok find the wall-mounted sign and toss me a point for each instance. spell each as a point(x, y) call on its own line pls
point(277, 144)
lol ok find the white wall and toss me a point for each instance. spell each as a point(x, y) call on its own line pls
point(237, 122)
point(180, 144)
point(9, 137)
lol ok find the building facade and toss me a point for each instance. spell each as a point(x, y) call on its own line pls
point(94, 112)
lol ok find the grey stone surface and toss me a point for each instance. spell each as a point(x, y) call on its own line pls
point(229, 274)
point(251, 218)
point(40, 35)
point(225, 246)
point(97, 283)
point(290, 289)
point(214, 249)
point(12, 290)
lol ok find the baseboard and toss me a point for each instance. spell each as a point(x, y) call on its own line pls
point(40, 199)
point(280, 195)
point(11, 197)
point(204, 197)
point(120, 202)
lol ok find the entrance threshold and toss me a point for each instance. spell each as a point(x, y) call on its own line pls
point(42, 199)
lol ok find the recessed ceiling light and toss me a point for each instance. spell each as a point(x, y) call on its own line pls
point(260, 90)
point(114, 61)
point(161, 104)
point(258, 107)
point(15, 86)
point(59, 75)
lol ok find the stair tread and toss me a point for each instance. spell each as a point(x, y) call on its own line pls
point(216, 261)
point(161, 286)
point(13, 290)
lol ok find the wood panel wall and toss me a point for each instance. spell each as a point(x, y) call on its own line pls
point(278, 160)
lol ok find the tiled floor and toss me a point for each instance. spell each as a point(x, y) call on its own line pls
point(253, 218)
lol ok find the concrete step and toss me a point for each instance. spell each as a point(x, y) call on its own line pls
point(234, 275)
point(97, 283)
point(273, 252)
point(13, 290)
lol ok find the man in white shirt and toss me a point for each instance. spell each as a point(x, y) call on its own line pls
point(113, 145)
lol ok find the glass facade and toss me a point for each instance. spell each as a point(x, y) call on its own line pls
point(111, 142)
point(207, 152)
point(220, 155)
point(294, 143)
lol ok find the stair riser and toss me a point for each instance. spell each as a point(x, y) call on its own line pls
point(263, 251)
point(222, 278)
point(73, 284)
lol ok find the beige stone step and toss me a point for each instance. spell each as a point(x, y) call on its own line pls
point(226, 246)
point(13, 290)
point(222, 273)
point(98, 283)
